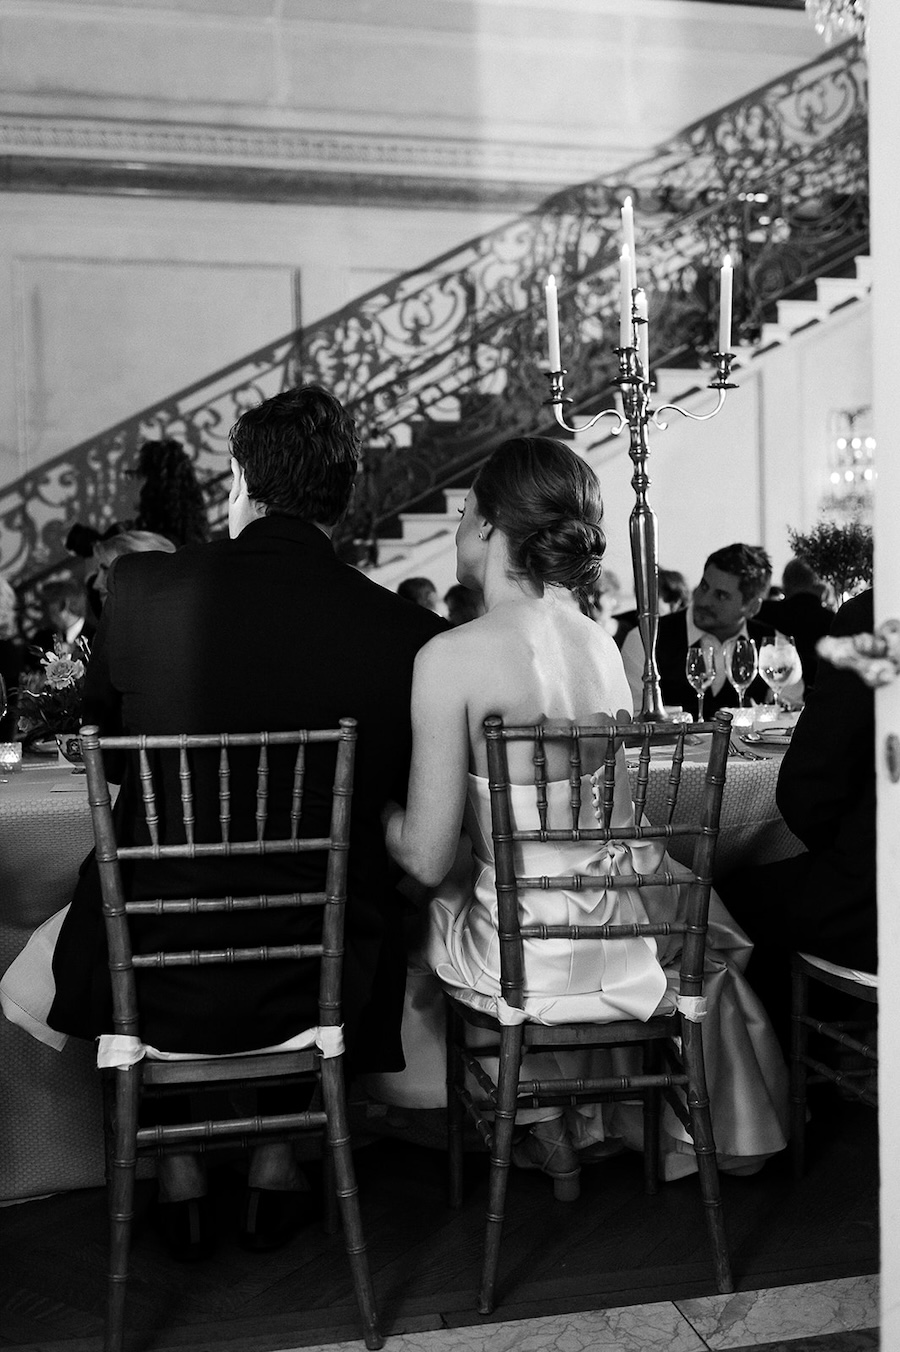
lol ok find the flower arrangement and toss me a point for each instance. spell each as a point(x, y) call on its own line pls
point(54, 707)
point(838, 553)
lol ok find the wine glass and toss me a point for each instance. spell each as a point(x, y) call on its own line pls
point(743, 666)
point(779, 665)
point(4, 698)
point(700, 669)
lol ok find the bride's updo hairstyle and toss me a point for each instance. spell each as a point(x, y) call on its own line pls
point(546, 501)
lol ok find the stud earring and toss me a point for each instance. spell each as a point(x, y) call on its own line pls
point(481, 535)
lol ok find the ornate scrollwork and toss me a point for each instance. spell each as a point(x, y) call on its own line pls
point(442, 362)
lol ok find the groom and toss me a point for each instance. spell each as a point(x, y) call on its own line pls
point(266, 630)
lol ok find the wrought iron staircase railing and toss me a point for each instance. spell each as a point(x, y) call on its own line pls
point(446, 359)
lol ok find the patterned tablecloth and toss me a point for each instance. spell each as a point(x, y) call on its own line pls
point(51, 1134)
point(752, 830)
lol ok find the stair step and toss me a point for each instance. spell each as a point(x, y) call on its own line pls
point(419, 526)
point(796, 314)
point(773, 333)
point(835, 291)
point(672, 381)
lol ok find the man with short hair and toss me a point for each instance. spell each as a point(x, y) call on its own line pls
point(266, 630)
point(723, 605)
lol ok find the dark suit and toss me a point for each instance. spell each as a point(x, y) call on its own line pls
point(265, 631)
point(823, 901)
point(671, 651)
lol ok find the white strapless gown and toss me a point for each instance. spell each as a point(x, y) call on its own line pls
point(597, 981)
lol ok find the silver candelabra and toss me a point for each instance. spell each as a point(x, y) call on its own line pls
point(634, 386)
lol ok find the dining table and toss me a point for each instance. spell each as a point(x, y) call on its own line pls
point(51, 1129)
point(751, 829)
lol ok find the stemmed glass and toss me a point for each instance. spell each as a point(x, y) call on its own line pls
point(743, 666)
point(779, 664)
point(4, 699)
point(700, 669)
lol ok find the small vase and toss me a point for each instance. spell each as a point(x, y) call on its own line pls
point(69, 748)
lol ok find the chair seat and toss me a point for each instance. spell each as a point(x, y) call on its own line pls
point(861, 978)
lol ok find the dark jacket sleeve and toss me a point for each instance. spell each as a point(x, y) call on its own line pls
point(831, 757)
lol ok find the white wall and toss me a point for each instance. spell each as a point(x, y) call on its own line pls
point(114, 301)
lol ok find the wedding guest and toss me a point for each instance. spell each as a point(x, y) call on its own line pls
point(801, 614)
point(106, 552)
point(178, 650)
point(821, 901)
point(673, 594)
point(421, 591)
point(65, 606)
point(599, 601)
point(463, 604)
point(724, 603)
point(171, 501)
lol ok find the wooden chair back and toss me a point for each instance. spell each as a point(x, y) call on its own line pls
point(588, 744)
point(181, 840)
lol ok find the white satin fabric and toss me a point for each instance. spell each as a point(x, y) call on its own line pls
point(593, 981)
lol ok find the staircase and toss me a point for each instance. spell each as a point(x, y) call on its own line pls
point(446, 360)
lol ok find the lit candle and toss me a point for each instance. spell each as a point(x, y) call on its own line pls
point(643, 330)
point(625, 297)
point(628, 236)
point(726, 279)
point(552, 323)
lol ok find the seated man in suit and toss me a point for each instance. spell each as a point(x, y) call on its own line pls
point(266, 630)
point(723, 605)
point(822, 901)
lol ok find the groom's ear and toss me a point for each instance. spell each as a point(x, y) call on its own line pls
point(487, 529)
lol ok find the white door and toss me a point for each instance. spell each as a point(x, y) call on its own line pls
point(884, 50)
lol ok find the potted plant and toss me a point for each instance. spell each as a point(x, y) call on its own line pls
point(839, 553)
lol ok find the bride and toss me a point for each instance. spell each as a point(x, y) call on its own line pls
point(529, 541)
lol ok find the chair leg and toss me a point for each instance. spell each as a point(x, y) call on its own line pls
point(329, 1189)
point(120, 1199)
point(705, 1150)
point(652, 1106)
point(348, 1198)
point(511, 1038)
point(455, 1076)
point(799, 1047)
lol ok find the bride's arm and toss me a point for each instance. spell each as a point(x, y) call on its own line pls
point(424, 837)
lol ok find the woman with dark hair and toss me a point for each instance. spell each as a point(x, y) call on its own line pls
point(171, 500)
point(530, 540)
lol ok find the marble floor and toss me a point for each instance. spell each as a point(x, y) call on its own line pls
point(832, 1316)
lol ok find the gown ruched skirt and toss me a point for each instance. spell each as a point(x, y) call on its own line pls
point(597, 981)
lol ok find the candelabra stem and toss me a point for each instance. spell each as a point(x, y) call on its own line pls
point(642, 531)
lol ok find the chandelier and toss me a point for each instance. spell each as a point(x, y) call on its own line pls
point(838, 20)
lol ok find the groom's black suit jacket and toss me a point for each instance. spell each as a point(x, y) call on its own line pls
point(268, 631)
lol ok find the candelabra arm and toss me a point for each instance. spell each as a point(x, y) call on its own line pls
point(694, 417)
point(720, 383)
point(558, 400)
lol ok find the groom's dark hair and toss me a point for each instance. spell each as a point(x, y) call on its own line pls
point(299, 452)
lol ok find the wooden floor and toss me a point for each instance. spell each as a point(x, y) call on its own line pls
point(613, 1247)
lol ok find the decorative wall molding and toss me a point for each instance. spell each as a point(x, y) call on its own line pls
point(38, 153)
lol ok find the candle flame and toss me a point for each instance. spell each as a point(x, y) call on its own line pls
point(726, 261)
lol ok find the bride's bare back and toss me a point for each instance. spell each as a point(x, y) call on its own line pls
point(530, 661)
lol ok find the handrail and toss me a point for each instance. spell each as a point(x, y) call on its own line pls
point(445, 359)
